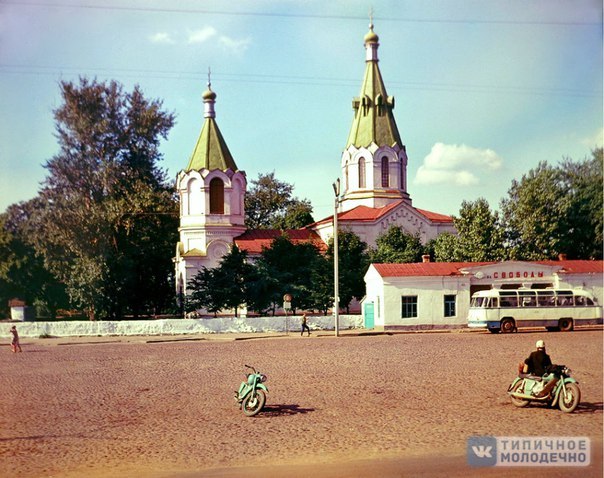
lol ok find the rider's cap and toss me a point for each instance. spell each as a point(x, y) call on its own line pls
point(540, 344)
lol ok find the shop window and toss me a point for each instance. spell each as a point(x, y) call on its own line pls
point(450, 305)
point(409, 306)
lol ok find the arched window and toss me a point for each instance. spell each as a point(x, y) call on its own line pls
point(194, 197)
point(216, 196)
point(385, 172)
point(361, 172)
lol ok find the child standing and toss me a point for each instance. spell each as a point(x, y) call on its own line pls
point(15, 345)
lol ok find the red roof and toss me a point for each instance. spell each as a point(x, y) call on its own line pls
point(253, 241)
point(422, 269)
point(577, 266)
point(434, 216)
point(370, 214)
point(419, 269)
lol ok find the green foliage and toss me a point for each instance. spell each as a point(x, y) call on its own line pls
point(224, 287)
point(105, 221)
point(297, 215)
point(269, 205)
point(353, 261)
point(583, 219)
point(480, 238)
point(445, 248)
point(532, 213)
point(204, 292)
point(22, 271)
point(554, 210)
point(289, 266)
point(397, 246)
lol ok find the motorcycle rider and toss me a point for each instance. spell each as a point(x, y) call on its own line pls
point(537, 363)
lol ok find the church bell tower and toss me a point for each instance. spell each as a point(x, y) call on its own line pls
point(211, 190)
point(374, 163)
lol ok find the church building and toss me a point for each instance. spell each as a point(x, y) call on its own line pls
point(374, 193)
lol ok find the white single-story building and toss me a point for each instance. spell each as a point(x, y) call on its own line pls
point(436, 295)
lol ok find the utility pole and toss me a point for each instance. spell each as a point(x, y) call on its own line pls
point(336, 276)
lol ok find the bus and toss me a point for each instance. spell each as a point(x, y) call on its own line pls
point(504, 310)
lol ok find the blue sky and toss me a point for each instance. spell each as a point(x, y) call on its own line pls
point(484, 89)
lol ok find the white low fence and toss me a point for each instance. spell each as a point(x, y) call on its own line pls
point(222, 325)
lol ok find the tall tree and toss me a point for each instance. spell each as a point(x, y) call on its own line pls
point(105, 202)
point(224, 287)
point(204, 293)
point(480, 235)
point(583, 220)
point(353, 261)
point(397, 246)
point(555, 210)
point(445, 248)
point(290, 267)
point(269, 205)
point(22, 271)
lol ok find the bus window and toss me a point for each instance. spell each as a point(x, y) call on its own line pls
point(581, 300)
point(509, 301)
point(527, 299)
point(564, 301)
point(545, 298)
point(494, 303)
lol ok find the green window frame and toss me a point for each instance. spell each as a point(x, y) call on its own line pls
point(408, 306)
point(450, 303)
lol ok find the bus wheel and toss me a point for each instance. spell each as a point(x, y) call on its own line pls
point(508, 326)
point(565, 325)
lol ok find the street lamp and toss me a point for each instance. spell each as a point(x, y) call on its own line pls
point(336, 279)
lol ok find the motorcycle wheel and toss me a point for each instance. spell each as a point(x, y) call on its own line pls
point(573, 397)
point(518, 402)
point(253, 403)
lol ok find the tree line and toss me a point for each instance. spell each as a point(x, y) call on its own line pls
point(100, 235)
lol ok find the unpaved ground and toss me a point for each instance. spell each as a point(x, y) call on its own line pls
point(401, 405)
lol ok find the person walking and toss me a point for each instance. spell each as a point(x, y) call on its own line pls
point(304, 326)
point(15, 345)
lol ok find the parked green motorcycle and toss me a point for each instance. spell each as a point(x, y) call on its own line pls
point(251, 395)
point(556, 387)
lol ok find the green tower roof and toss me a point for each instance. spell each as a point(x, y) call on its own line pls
point(211, 151)
point(373, 118)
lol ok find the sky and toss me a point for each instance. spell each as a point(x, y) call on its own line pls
point(484, 89)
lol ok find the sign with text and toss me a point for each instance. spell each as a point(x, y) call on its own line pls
point(528, 451)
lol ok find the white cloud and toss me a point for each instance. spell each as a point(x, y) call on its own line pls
point(200, 36)
point(161, 37)
point(459, 165)
point(596, 140)
point(236, 46)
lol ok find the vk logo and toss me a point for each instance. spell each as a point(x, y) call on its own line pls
point(482, 451)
